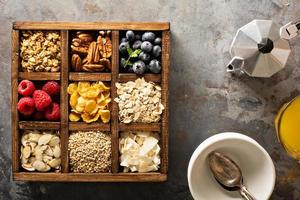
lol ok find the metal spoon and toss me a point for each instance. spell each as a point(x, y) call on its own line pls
point(228, 174)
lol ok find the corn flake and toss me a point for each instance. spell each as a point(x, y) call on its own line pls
point(89, 101)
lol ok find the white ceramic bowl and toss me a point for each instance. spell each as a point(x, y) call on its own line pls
point(256, 165)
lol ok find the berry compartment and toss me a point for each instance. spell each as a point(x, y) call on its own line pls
point(40, 113)
point(138, 56)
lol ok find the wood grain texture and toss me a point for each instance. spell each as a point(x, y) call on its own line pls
point(39, 76)
point(65, 126)
point(64, 102)
point(125, 77)
point(35, 25)
point(39, 125)
point(165, 101)
point(140, 127)
point(90, 177)
point(83, 76)
point(114, 107)
point(14, 100)
point(82, 126)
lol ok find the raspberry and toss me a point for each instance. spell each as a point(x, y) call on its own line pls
point(53, 112)
point(26, 106)
point(41, 99)
point(38, 115)
point(52, 88)
point(26, 88)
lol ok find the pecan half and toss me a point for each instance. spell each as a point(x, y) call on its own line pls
point(105, 62)
point(93, 54)
point(105, 46)
point(93, 67)
point(76, 62)
point(79, 50)
point(85, 37)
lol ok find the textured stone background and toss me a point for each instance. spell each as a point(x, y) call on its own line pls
point(204, 100)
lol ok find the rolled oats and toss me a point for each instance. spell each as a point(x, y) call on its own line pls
point(139, 101)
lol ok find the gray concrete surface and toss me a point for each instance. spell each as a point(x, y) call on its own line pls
point(204, 100)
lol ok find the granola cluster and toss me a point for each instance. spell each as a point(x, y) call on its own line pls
point(40, 51)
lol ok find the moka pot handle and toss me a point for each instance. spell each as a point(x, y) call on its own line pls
point(290, 30)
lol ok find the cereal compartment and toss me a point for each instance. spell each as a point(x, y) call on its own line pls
point(40, 51)
point(89, 152)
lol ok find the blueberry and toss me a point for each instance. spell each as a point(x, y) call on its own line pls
point(155, 66)
point(138, 37)
point(130, 69)
point(144, 57)
point(123, 47)
point(123, 62)
point(123, 39)
point(130, 35)
point(148, 36)
point(156, 51)
point(139, 67)
point(146, 46)
point(137, 45)
point(157, 40)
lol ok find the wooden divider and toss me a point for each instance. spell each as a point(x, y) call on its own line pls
point(64, 102)
point(165, 101)
point(14, 100)
point(114, 110)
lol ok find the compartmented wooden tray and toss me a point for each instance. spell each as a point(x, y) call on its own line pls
point(64, 126)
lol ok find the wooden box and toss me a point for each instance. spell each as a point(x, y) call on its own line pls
point(64, 76)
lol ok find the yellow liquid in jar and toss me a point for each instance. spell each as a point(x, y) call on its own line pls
point(288, 127)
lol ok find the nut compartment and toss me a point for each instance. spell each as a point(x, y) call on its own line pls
point(65, 76)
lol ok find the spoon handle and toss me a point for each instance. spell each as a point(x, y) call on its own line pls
point(246, 194)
